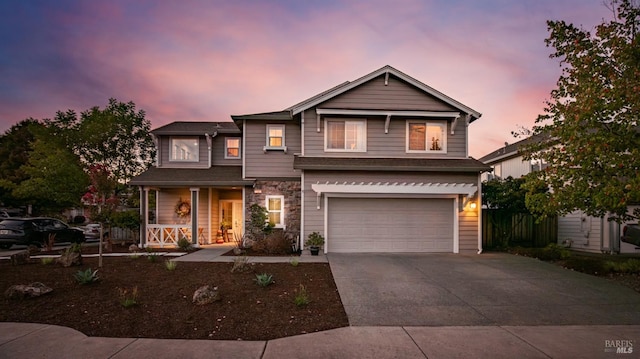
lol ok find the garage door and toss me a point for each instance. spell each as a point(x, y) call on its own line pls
point(390, 225)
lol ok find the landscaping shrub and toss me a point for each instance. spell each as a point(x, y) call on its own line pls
point(275, 243)
point(170, 265)
point(302, 298)
point(264, 279)
point(184, 244)
point(86, 277)
point(128, 298)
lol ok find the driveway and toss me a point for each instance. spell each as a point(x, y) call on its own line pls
point(475, 290)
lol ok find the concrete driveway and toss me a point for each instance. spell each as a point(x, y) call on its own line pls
point(475, 290)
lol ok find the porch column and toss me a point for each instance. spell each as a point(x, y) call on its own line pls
point(194, 215)
point(144, 215)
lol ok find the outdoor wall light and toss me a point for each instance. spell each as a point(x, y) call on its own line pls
point(473, 205)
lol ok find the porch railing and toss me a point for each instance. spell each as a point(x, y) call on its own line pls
point(168, 234)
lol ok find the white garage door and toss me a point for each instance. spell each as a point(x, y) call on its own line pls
point(390, 225)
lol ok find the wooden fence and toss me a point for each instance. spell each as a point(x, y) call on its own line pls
point(518, 229)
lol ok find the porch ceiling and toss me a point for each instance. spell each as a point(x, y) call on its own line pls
point(181, 177)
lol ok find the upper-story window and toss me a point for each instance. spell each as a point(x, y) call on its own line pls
point(275, 137)
point(184, 149)
point(429, 137)
point(232, 148)
point(346, 136)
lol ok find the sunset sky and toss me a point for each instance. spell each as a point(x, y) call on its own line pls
point(206, 60)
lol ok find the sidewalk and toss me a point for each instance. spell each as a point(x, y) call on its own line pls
point(25, 340)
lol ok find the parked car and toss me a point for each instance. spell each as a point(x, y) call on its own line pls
point(92, 231)
point(631, 234)
point(36, 231)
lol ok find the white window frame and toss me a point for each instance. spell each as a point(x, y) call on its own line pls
point(326, 134)
point(226, 148)
point(268, 146)
point(173, 148)
point(281, 211)
point(443, 129)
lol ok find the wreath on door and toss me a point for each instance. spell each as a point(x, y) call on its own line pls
point(183, 208)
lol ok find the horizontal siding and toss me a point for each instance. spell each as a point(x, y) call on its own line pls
point(259, 164)
point(468, 231)
point(379, 143)
point(397, 95)
point(584, 231)
point(165, 144)
point(515, 167)
point(218, 152)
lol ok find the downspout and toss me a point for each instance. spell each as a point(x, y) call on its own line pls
point(479, 209)
point(244, 157)
point(209, 141)
point(302, 184)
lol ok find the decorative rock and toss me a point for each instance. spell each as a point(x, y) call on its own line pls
point(32, 290)
point(134, 248)
point(21, 257)
point(205, 295)
point(68, 259)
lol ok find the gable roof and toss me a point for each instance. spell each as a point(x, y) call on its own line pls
point(509, 150)
point(348, 85)
point(196, 128)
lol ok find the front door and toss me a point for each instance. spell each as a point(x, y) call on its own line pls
point(231, 216)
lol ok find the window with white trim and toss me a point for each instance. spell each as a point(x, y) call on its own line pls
point(232, 148)
point(275, 209)
point(345, 135)
point(275, 137)
point(427, 137)
point(184, 149)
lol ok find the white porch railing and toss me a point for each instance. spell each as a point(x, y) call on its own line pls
point(168, 234)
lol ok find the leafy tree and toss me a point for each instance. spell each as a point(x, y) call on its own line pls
point(116, 137)
point(15, 145)
point(55, 180)
point(506, 195)
point(507, 198)
point(592, 145)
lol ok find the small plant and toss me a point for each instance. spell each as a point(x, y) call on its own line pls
point(314, 239)
point(294, 261)
point(87, 276)
point(240, 264)
point(302, 298)
point(74, 248)
point(151, 255)
point(184, 244)
point(264, 279)
point(171, 265)
point(46, 260)
point(128, 298)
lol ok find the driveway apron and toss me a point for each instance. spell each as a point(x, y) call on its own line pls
point(475, 290)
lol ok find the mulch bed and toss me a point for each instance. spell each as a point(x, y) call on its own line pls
point(165, 309)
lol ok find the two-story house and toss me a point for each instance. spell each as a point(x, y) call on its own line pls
point(378, 164)
point(576, 230)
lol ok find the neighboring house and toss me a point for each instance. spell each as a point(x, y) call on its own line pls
point(379, 164)
point(577, 229)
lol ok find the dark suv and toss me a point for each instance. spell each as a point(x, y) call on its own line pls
point(35, 231)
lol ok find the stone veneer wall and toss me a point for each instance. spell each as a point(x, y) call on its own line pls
point(292, 192)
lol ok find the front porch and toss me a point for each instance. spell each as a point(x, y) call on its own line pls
point(196, 214)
